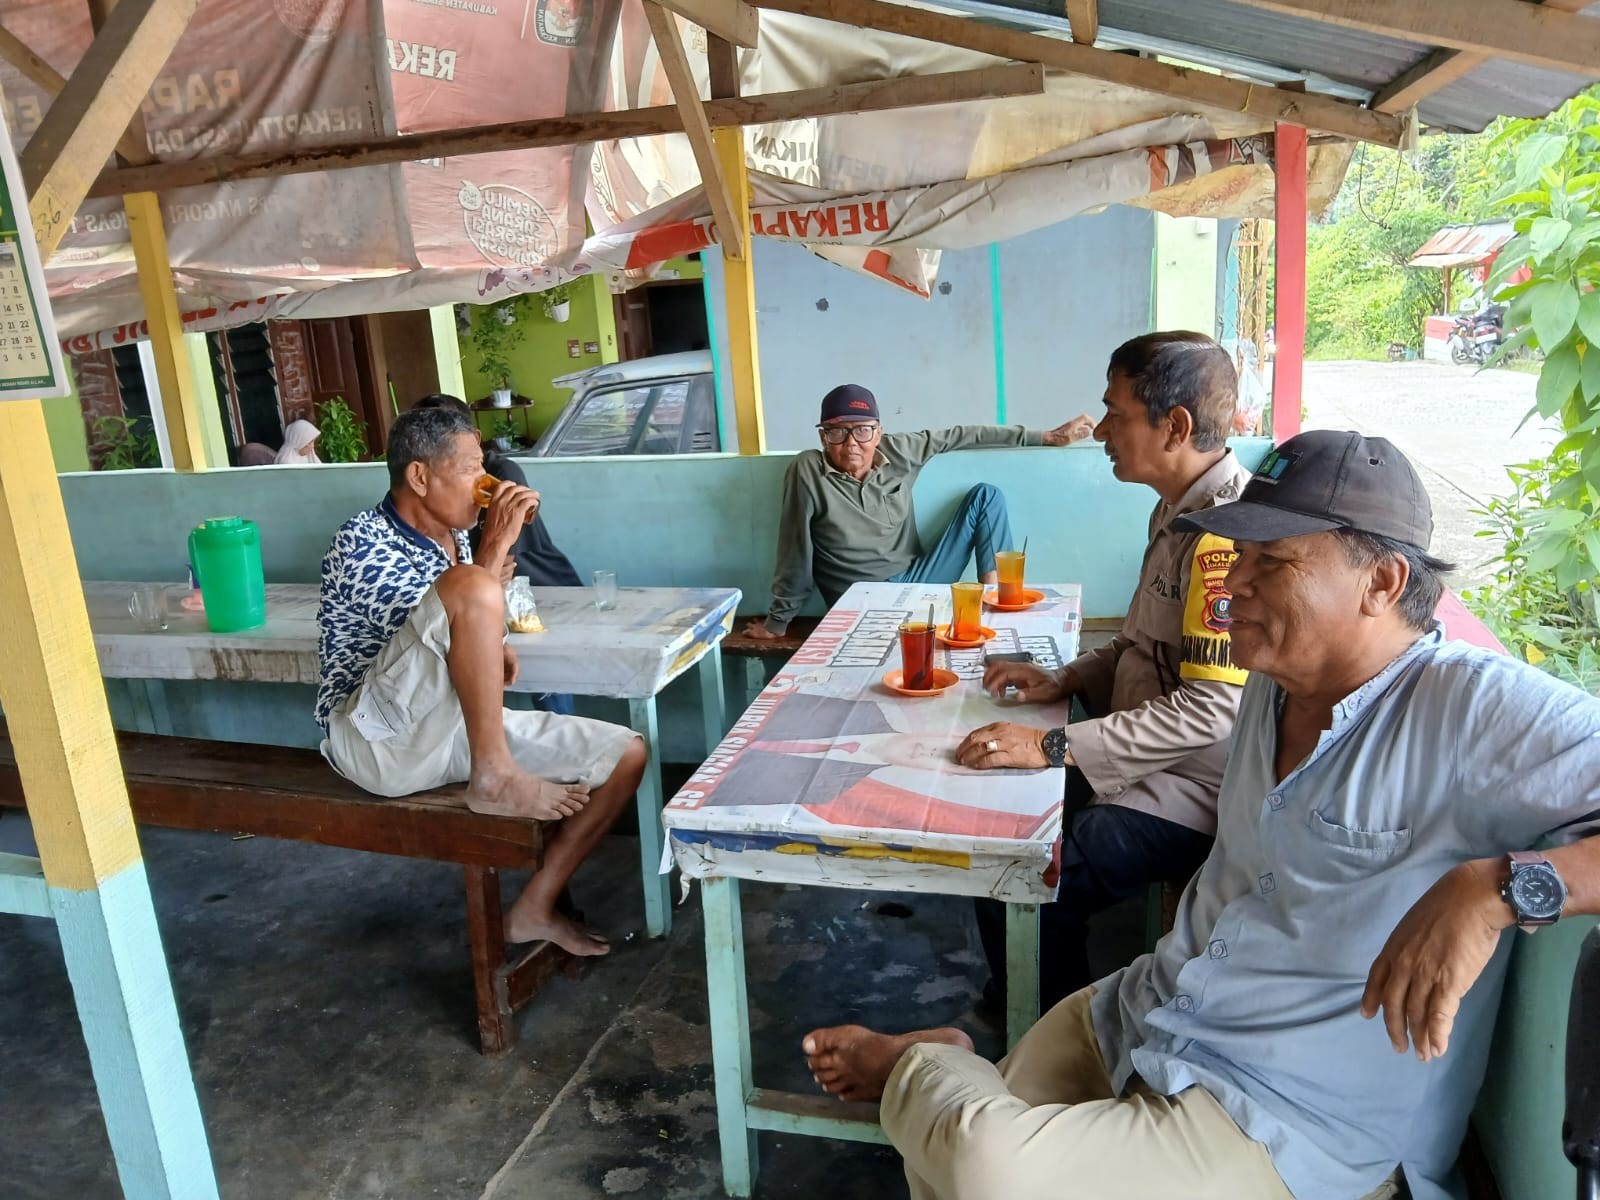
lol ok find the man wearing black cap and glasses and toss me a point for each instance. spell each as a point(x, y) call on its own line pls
point(847, 513)
point(1379, 831)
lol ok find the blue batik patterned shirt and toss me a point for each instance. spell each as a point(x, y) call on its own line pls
point(374, 574)
point(1449, 754)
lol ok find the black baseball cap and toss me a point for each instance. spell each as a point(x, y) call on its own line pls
point(1323, 480)
point(849, 402)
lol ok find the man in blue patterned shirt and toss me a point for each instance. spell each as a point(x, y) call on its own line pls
point(414, 665)
point(1376, 836)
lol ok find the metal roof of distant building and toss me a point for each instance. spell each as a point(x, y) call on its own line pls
point(1254, 42)
point(1462, 245)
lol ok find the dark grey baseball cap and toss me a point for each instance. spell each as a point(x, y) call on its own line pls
point(1322, 480)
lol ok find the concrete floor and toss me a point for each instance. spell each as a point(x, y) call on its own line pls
point(327, 1007)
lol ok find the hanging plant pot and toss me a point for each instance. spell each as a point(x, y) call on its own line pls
point(559, 313)
point(501, 397)
point(505, 314)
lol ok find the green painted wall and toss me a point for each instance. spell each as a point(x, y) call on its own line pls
point(69, 442)
point(543, 354)
point(1186, 273)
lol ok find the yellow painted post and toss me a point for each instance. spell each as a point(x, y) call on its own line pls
point(60, 728)
point(179, 399)
point(55, 702)
point(739, 286)
point(447, 350)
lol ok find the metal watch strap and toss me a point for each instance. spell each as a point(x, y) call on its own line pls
point(1055, 747)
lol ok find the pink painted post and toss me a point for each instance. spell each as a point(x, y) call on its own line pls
point(1289, 291)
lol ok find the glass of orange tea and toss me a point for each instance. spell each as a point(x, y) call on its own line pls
point(483, 493)
point(1009, 564)
point(966, 611)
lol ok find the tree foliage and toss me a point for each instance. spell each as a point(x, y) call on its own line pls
point(1543, 599)
point(1361, 296)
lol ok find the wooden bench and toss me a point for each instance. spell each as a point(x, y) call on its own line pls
point(762, 658)
point(270, 791)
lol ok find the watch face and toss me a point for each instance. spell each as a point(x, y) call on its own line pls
point(1537, 893)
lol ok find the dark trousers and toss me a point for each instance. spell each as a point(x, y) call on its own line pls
point(1108, 854)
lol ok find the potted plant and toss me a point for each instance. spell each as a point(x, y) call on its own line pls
point(125, 444)
point(503, 433)
point(343, 438)
point(558, 301)
point(495, 338)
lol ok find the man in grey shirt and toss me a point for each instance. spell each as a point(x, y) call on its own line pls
point(847, 515)
point(1375, 841)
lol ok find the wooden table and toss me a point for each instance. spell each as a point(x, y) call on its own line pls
point(630, 652)
point(833, 780)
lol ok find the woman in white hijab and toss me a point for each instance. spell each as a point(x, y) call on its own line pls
point(299, 445)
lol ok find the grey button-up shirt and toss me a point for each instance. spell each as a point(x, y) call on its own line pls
point(1450, 754)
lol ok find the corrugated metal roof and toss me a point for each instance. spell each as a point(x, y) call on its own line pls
point(1460, 245)
point(1352, 61)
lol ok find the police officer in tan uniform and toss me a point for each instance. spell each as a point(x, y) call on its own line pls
point(1145, 769)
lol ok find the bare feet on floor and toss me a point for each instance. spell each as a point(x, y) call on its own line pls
point(853, 1063)
point(515, 793)
point(572, 936)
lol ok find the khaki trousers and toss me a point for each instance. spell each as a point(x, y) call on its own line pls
point(1045, 1125)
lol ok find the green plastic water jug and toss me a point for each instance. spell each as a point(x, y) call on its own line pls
point(226, 553)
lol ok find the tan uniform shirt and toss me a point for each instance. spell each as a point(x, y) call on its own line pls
point(1166, 684)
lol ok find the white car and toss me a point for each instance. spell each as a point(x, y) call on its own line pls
point(661, 405)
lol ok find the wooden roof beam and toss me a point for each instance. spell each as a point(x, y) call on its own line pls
point(1540, 34)
point(879, 95)
point(1084, 18)
point(1442, 68)
point(732, 20)
point(92, 112)
point(17, 52)
point(1322, 113)
point(675, 63)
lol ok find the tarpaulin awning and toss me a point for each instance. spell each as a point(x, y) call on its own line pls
point(255, 76)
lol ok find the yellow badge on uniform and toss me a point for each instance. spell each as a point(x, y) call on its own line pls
point(1206, 648)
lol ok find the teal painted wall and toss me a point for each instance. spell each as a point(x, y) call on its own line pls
point(710, 520)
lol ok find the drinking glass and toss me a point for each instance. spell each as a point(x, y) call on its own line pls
point(148, 607)
point(966, 607)
point(1009, 564)
point(483, 493)
point(916, 654)
point(605, 590)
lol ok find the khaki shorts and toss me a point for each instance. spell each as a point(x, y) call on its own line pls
point(402, 730)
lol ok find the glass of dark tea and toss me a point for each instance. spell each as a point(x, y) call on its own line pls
point(916, 655)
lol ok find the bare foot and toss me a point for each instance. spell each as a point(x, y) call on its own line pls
point(572, 936)
point(854, 1063)
point(515, 793)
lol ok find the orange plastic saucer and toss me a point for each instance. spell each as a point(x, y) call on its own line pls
point(1030, 597)
point(941, 679)
point(943, 634)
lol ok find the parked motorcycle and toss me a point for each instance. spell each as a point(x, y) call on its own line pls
point(1476, 336)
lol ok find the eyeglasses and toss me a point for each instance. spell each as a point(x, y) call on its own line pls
point(862, 431)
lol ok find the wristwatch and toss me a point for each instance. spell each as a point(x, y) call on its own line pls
point(1055, 747)
point(1533, 890)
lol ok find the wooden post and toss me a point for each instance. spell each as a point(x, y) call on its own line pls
point(179, 398)
point(95, 881)
point(1289, 294)
point(739, 288)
